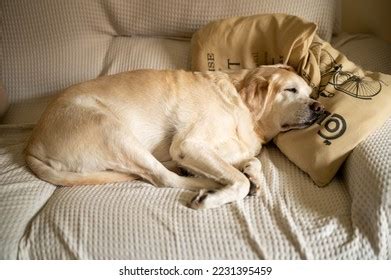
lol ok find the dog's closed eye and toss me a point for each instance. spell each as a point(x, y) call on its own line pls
point(294, 90)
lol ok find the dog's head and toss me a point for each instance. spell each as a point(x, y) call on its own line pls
point(279, 98)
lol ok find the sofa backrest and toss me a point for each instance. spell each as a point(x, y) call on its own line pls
point(48, 45)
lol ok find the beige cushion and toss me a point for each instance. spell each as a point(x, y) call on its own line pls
point(357, 102)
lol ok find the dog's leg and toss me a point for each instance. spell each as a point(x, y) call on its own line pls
point(174, 167)
point(128, 155)
point(145, 165)
point(202, 159)
point(150, 169)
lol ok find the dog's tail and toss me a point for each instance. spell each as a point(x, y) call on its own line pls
point(66, 178)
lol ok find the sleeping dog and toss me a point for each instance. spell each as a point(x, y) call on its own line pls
point(145, 124)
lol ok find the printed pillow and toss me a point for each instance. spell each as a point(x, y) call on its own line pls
point(357, 102)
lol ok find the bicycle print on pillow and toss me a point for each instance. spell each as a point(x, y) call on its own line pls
point(332, 73)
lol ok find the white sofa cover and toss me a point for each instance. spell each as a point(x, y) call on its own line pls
point(49, 45)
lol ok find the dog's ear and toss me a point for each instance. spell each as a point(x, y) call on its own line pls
point(255, 94)
point(281, 66)
point(286, 67)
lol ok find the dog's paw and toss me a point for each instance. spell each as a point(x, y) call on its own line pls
point(203, 200)
point(255, 185)
point(252, 170)
point(255, 188)
point(253, 166)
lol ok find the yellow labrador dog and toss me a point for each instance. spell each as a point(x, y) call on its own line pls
point(143, 124)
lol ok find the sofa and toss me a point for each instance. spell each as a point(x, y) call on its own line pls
point(47, 46)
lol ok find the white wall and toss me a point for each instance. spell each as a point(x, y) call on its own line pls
point(367, 16)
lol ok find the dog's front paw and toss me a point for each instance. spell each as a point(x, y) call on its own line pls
point(252, 170)
point(203, 200)
point(255, 188)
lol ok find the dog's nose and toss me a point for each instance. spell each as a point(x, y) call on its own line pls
point(317, 107)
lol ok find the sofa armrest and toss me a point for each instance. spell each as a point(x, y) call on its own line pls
point(368, 51)
point(367, 170)
point(367, 174)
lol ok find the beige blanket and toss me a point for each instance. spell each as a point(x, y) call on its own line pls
point(357, 101)
point(134, 220)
